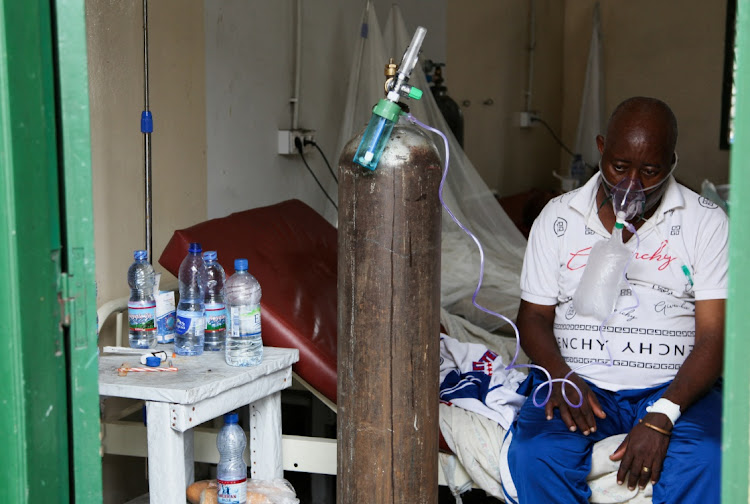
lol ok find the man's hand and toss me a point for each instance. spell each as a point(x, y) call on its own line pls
point(582, 418)
point(642, 452)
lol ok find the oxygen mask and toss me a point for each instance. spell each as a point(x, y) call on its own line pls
point(628, 199)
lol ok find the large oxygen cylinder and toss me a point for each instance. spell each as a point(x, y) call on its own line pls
point(389, 323)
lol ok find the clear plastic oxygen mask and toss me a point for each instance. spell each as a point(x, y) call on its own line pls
point(628, 199)
point(631, 198)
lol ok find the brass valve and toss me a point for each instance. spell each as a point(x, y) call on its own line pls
point(390, 73)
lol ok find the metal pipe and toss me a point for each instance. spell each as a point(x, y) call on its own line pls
point(147, 137)
point(297, 66)
point(532, 48)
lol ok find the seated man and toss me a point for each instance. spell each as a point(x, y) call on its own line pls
point(652, 371)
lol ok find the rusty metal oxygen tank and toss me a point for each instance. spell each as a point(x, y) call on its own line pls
point(389, 322)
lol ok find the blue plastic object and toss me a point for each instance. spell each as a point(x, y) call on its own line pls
point(147, 122)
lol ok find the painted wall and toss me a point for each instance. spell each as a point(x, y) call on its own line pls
point(177, 102)
point(670, 49)
point(250, 80)
point(488, 57)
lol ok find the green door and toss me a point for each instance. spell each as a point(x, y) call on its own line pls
point(49, 425)
point(736, 428)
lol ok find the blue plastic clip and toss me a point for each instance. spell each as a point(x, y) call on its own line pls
point(147, 122)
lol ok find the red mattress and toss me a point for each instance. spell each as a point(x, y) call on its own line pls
point(291, 250)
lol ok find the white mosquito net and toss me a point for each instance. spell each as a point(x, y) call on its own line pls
point(464, 192)
point(591, 118)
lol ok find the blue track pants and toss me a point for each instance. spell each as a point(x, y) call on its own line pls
point(549, 464)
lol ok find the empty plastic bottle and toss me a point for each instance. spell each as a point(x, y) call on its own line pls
point(244, 345)
point(231, 472)
point(141, 305)
point(578, 170)
point(190, 324)
point(216, 314)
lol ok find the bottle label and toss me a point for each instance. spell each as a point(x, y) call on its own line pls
point(142, 318)
point(216, 317)
point(245, 321)
point(232, 492)
point(189, 320)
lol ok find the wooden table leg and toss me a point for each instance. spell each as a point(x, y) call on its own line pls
point(265, 438)
point(170, 456)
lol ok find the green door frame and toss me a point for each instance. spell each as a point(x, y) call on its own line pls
point(74, 144)
point(33, 426)
point(736, 428)
point(50, 425)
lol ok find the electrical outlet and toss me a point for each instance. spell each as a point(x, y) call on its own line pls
point(286, 140)
point(526, 119)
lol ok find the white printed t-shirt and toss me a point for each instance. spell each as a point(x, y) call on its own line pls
point(650, 335)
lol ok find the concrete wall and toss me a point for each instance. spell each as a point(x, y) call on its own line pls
point(669, 49)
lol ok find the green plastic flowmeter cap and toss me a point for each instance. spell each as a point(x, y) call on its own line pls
point(388, 109)
point(415, 93)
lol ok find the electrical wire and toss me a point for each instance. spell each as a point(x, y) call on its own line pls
point(298, 145)
point(314, 144)
point(557, 139)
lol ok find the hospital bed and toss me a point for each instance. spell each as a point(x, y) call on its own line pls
point(292, 251)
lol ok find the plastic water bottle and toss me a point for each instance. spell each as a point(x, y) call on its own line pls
point(578, 170)
point(231, 472)
point(216, 314)
point(141, 305)
point(599, 288)
point(190, 324)
point(244, 346)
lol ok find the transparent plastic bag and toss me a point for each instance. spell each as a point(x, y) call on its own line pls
point(276, 491)
point(597, 293)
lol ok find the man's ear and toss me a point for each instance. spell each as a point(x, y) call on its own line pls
point(600, 143)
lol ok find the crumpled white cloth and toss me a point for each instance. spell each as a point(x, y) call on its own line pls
point(475, 378)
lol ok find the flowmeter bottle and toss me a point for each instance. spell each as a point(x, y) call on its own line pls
point(190, 324)
point(216, 314)
point(231, 472)
point(141, 305)
point(244, 346)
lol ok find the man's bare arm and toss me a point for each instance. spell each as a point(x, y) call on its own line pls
point(704, 365)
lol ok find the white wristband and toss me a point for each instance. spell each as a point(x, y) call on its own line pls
point(667, 407)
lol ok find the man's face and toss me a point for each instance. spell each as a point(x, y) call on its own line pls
point(638, 148)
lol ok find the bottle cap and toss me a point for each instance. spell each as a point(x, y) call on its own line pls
point(195, 248)
point(230, 418)
point(153, 361)
point(140, 255)
point(209, 255)
point(240, 265)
